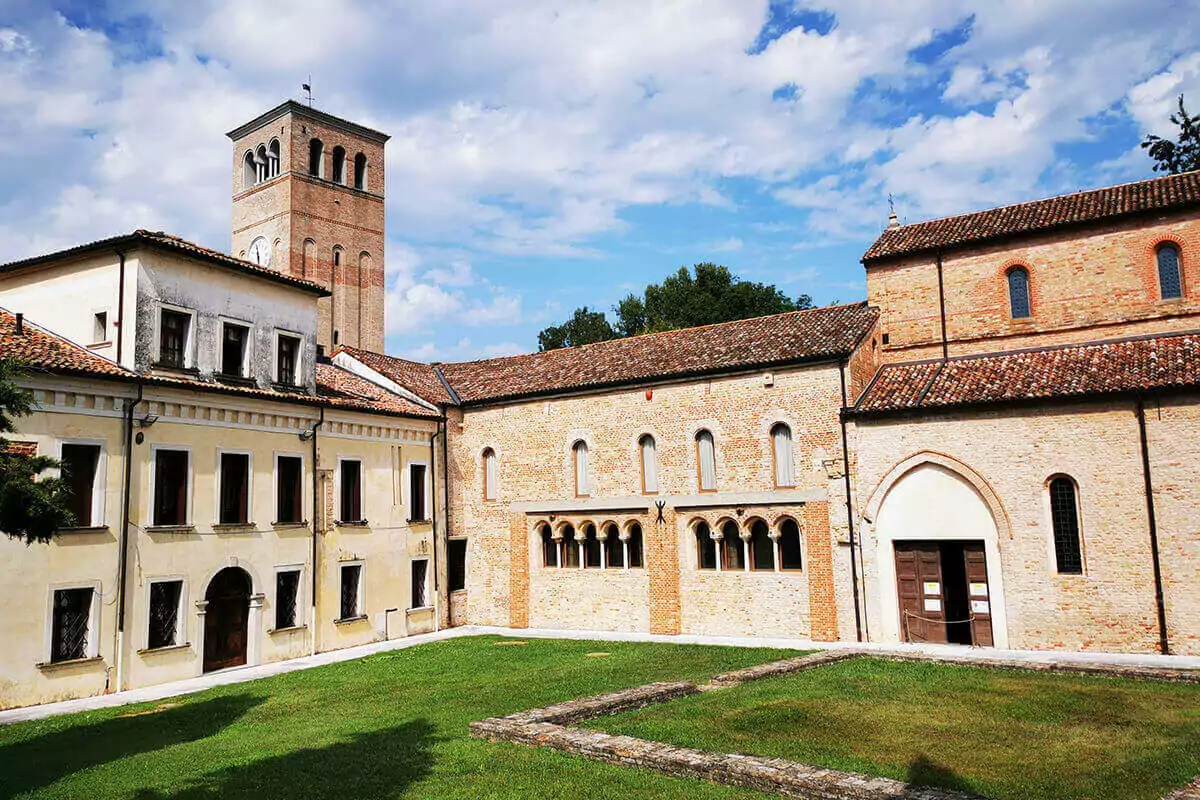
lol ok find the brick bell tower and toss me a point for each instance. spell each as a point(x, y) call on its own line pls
point(308, 200)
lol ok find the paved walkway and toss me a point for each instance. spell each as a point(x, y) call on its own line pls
point(244, 674)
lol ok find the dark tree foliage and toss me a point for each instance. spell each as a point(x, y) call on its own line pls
point(31, 508)
point(705, 294)
point(584, 327)
point(1181, 155)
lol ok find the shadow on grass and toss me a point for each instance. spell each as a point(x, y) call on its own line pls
point(40, 761)
point(382, 763)
point(924, 772)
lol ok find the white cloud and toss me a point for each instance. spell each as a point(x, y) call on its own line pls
point(457, 273)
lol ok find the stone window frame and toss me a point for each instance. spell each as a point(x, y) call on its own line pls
point(362, 489)
point(99, 482)
point(246, 368)
point(488, 492)
point(299, 368)
point(301, 598)
point(189, 518)
point(1048, 511)
point(189, 339)
point(361, 600)
point(775, 455)
point(588, 487)
point(217, 478)
point(305, 491)
point(696, 436)
point(93, 640)
point(717, 521)
point(640, 458)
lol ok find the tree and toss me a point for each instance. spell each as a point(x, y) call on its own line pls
point(584, 327)
point(31, 508)
point(705, 294)
point(1178, 156)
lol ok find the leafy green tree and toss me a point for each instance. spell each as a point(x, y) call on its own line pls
point(1182, 155)
point(584, 327)
point(31, 508)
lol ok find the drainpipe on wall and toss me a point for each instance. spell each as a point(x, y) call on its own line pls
point(942, 308)
point(1164, 645)
point(858, 631)
point(123, 541)
point(437, 617)
point(316, 534)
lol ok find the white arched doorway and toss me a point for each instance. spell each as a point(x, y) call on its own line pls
point(931, 520)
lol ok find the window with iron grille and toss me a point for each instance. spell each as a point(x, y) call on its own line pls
point(351, 584)
point(72, 618)
point(420, 592)
point(164, 613)
point(287, 593)
point(1064, 515)
point(173, 334)
point(1169, 282)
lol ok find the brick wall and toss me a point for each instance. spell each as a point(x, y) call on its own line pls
point(507, 584)
point(1085, 284)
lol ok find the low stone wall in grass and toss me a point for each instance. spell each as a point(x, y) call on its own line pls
point(549, 727)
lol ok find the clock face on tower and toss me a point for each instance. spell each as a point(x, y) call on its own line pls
point(259, 252)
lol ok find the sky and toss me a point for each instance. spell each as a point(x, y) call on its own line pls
point(547, 155)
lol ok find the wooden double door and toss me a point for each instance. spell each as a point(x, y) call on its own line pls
point(226, 619)
point(943, 592)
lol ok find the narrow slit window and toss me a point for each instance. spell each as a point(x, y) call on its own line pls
point(1018, 293)
point(351, 596)
point(781, 444)
point(100, 327)
point(707, 457)
point(420, 583)
point(649, 450)
point(360, 172)
point(316, 157)
point(583, 486)
point(1169, 280)
point(1064, 516)
point(287, 597)
point(289, 487)
point(490, 476)
point(235, 489)
point(80, 464)
point(339, 164)
point(171, 487)
point(351, 491)
point(71, 623)
point(165, 598)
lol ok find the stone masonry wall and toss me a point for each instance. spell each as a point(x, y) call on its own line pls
point(1085, 284)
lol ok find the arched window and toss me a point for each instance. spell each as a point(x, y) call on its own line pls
point(490, 478)
point(260, 160)
point(591, 548)
point(316, 158)
point(583, 484)
point(634, 546)
point(1170, 283)
point(337, 259)
point(249, 170)
point(339, 164)
point(549, 546)
point(762, 549)
point(733, 547)
point(1064, 516)
point(360, 172)
point(1018, 292)
point(649, 464)
point(781, 446)
point(273, 159)
point(310, 260)
point(614, 548)
point(706, 455)
point(789, 546)
point(706, 548)
point(570, 549)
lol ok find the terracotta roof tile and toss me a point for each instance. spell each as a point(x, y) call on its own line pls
point(420, 379)
point(745, 344)
point(1169, 192)
point(39, 350)
point(343, 389)
point(175, 244)
point(1128, 365)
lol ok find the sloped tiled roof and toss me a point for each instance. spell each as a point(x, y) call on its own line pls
point(1157, 194)
point(1119, 366)
point(420, 379)
point(175, 244)
point(343, 389)
point(793, 337)
point(39, 350)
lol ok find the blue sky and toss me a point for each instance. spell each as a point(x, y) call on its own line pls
point(547, 155)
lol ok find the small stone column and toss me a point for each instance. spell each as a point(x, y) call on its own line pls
point(557, 538)
point(201, 612)
point(745, 537)
point(718, 537)
point(774, 536)
point(254, 630)
point(602, 536)
point(624, 537)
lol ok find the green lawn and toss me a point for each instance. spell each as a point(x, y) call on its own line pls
point(1011, 735)
point(391, 725)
